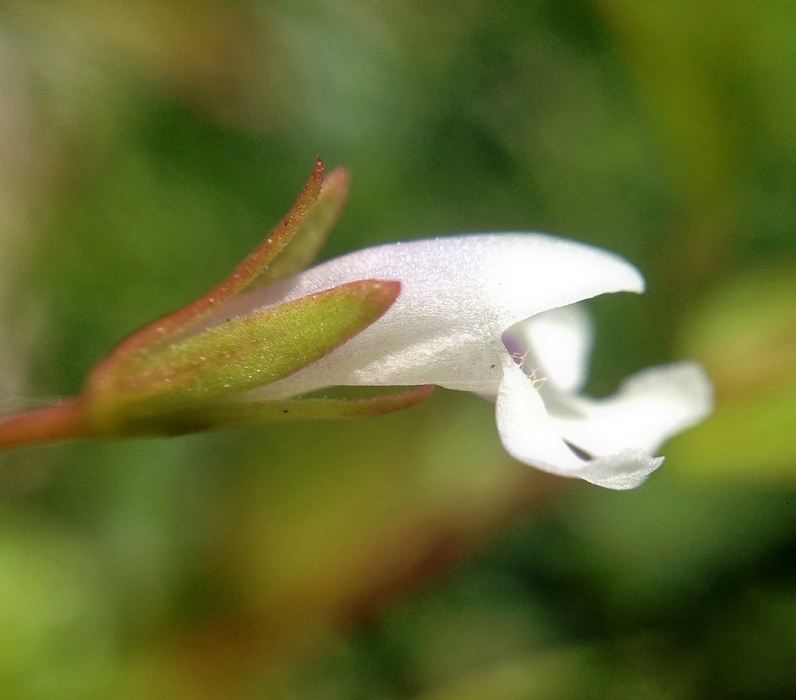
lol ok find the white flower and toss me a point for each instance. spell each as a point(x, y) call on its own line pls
point(472, 309)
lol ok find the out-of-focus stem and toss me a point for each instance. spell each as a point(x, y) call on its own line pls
point(62, 421)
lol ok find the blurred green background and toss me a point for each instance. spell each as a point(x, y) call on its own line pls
point(147, 147)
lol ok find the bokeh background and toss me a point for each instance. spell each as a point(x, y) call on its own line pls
point(146, 147)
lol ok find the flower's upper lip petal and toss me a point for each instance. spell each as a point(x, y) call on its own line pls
point(458, 296)
point(649, 408)
point(499, 279)
point(558, 345)
point(530, 436)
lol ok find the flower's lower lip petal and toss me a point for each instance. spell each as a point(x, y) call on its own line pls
point(621, 470)
point(649, 408)
point(525, 428)
point(530, 436)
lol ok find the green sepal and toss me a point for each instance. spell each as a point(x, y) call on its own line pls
point(234, 356)
point(298, 236)
point(232, 415)
point(185, 372)
point(309, 234)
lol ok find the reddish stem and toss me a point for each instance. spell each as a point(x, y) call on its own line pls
point(62, 421)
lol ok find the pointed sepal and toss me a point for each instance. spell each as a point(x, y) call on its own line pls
point(298, 236)
point(236, 414)
point(133, 394)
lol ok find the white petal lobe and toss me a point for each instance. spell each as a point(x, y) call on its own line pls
point(559, 344)
point(531, 436)
point(649, 408)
